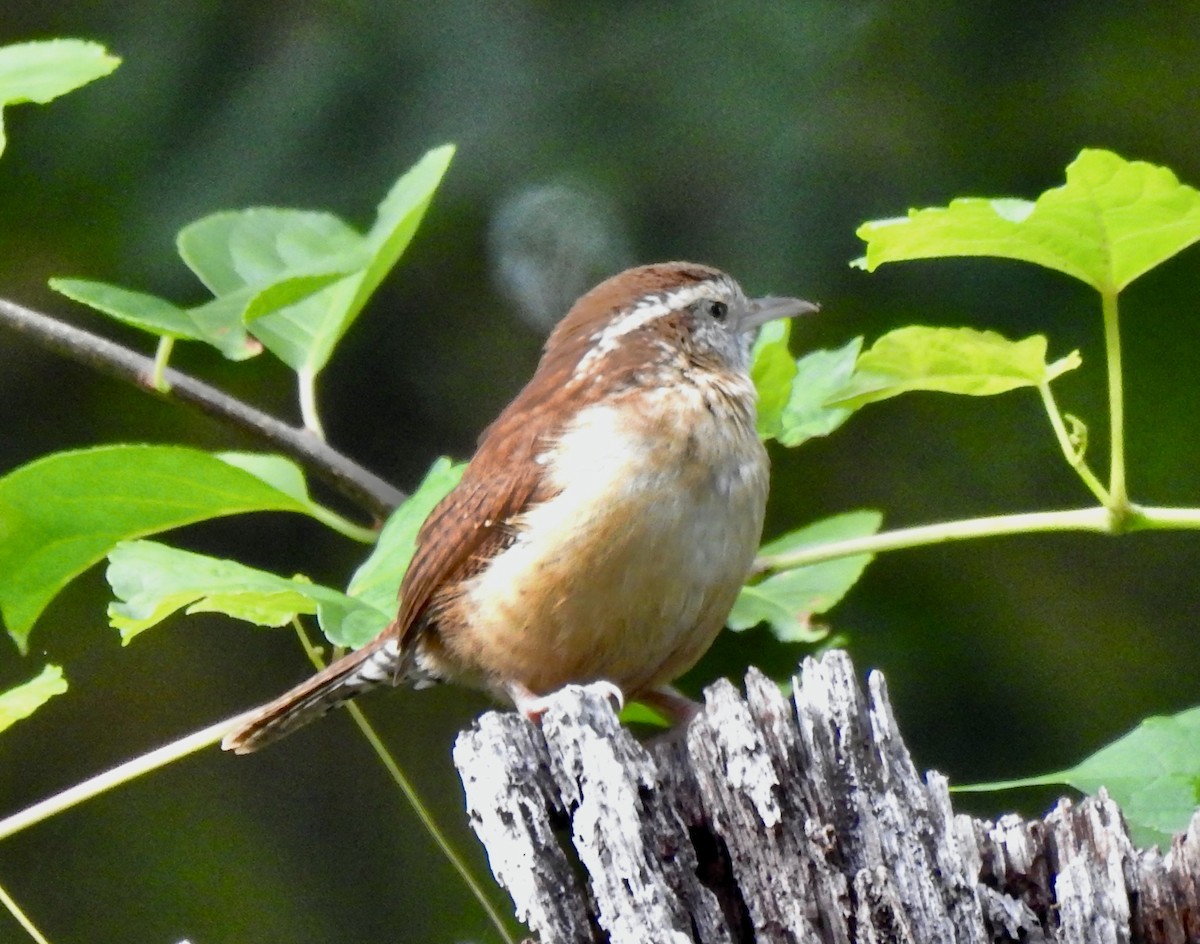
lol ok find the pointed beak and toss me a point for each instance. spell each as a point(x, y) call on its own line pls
point(761, 310)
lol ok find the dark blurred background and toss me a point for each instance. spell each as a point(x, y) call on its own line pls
point(753, 136)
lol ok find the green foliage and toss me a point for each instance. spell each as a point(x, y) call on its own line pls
point(63, 513)
point(290, 280)
point(772, 370)
point(808, 413)
point(42, 71)
point(152, 581)
point(379, 576)
point(949, 360)
point(1112, 221)
point(787, 601)
point(218, 322)
point(23, 700)
point(1153, 773)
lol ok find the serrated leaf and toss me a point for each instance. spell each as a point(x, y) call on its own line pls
point(948, 360)
point(772, 369)
point(786, 600)
point(42, 71)
point(152, 581)
point(1153, 773)
point(1111, 222)
point(378, 579)
point(819, 374)
point(23, 700)
point(218, 325)
point(64, 512)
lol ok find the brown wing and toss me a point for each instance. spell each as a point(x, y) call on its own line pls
point(473, 521)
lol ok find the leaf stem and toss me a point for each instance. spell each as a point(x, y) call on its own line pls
point(22, 919)
point(360, 485)
point(409, 791)
point(308, 403)
point(1117, 489)
point(101, 783)
point(1073, 453)
point(162, 354)
point(344, 526)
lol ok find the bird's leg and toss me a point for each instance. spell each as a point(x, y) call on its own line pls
point(672, 704)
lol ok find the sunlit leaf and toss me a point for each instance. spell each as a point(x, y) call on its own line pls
point(772, 370)
point(819, 374)
point(42, 71)
point(276, 262)
point(378, 579)
point(1112, 221)
point(948, 360)
point(218, 325)
point(64, 512)
point(310, 274)
point(152, 581)
point(786, 600)
point(23, 700)
point(1153, 773)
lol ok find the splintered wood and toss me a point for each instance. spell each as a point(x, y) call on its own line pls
point(800, 820)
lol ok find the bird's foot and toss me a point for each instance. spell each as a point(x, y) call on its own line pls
point(534, 706)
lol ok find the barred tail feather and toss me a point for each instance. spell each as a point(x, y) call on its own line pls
point(379, 663)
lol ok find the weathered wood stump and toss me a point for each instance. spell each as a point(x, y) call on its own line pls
point(778, 820)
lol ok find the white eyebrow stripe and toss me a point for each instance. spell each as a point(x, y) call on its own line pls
point(648, 309)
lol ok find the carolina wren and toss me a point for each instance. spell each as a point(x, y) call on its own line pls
point(605, 523)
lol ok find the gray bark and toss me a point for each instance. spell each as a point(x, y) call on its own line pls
point(777, 820)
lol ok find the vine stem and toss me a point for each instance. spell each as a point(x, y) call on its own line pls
point(1079, 519)
point(409, 791)
point(22, 919)
point(358, 484)
point(101, 783)
point(1117, 489)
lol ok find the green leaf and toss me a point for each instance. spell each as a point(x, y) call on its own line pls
point(64, 512)
point(215, 324)
point(949, 360)
point(772, 370)
point(376, 582)
point(398, 216)
point(42, 71)
point(1153, 773)
point(152, 581)
point(819, 374)
point(282, 266)
point(786, 600)
point(310, 273)
point(1111, 222)
point(23, 700)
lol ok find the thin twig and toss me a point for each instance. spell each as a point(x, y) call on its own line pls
point(22, 919)
point(409, 790)
point(361, 486)
point(123, 773)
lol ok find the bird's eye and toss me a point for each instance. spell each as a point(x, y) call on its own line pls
point(717, 310)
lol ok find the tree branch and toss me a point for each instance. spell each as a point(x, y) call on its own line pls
point(358, 484)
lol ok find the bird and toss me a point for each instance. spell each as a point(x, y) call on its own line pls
point(605, 524)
